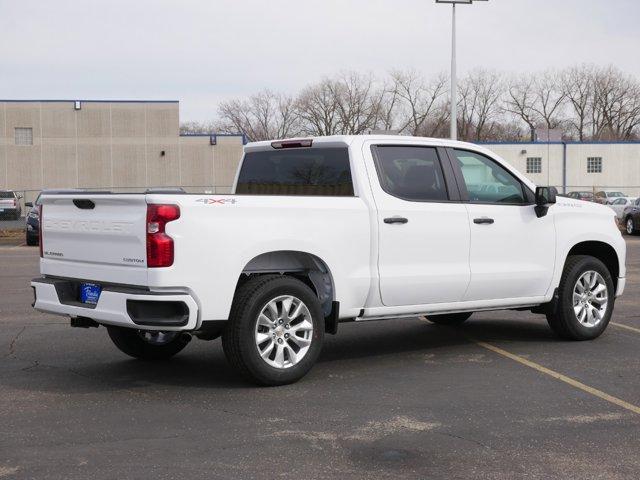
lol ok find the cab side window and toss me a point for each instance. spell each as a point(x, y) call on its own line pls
point(410, 172)
point(487, 181)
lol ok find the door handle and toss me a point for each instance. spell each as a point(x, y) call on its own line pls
point(483, 221)
point(395, 220)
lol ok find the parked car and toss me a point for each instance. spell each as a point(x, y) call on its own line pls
point(606, 197)
point(583, 195)
point(33, 222)
point(631, 217)
point(320, 231)
point(10, 206)
point(620, 204)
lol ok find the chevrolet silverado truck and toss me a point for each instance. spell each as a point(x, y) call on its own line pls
point(320, 231)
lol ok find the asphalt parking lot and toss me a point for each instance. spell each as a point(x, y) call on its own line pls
point(395, 399)
point(12, 224)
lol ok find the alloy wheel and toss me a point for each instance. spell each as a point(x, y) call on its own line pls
point(284, 330)
point(590, 299)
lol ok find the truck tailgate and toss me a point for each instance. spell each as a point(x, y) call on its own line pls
point(99, 237)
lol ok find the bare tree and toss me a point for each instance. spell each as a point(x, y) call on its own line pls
point(420, 101)
point(263, 116)
point(578, 87)
point(584, 101)
point(479, 104)
point(520, 101)
point(317, 107)
point(358, 103)
point(549, 98)
point(616, 105)
point(193, 127)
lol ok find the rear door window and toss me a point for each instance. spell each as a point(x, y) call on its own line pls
point(411, 173)
point(304, 171)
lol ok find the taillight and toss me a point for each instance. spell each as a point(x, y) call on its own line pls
point(40, 228)
point(159, 244)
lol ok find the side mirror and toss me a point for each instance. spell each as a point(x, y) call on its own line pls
point(545, 197)
point(28, 204)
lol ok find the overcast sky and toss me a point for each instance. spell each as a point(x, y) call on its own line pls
point(202, 51)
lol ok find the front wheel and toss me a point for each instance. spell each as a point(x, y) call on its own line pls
point(585, 299)
point(146, 344)
point(450, 318)
point(275, 330)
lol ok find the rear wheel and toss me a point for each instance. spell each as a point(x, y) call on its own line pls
point(146, 344)
point(630, 226)
point(450, 318)
point(32, 241)
point(585, 299)
point(275, 330)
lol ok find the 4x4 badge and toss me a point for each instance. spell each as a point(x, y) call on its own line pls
point(214, 201)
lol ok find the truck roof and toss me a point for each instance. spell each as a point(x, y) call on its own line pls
point(335, 140)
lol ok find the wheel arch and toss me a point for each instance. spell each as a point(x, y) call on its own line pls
point(305, 266)
point(603, 252)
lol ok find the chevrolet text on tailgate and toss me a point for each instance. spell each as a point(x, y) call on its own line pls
point(320, 231)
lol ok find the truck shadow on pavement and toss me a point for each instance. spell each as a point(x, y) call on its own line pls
point(202, 364)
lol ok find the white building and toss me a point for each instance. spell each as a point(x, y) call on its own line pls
point(572, 166)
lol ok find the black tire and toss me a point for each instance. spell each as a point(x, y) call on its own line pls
point(130, 341)
point(238, 339)
point(32, 241)
point(450, 318)
point(563, 320)
point(630, 227)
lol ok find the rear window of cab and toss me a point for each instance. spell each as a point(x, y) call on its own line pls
point(300, 171)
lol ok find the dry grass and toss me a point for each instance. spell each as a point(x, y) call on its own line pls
point(11, 232)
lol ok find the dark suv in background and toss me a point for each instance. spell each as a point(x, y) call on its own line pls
point(10, 206)
point(33, 222)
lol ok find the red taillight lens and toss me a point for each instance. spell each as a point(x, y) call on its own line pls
point(159, 244)
point(40, 228)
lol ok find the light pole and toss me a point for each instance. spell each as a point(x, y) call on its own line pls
point(454, 81)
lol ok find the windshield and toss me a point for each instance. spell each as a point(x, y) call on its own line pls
point(616, 194)
point(6, 194)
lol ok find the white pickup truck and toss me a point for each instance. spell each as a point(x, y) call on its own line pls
point(321, 231)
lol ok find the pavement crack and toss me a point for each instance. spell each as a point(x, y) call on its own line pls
point(12, 345)
point(459, 437)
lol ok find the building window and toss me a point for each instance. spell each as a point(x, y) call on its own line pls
point(24, 136)
point(534, 165)
point(594, 165)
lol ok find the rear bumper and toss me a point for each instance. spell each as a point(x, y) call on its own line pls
point(120, 306)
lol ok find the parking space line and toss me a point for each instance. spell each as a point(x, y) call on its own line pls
point(558, 376)
point(626, 327)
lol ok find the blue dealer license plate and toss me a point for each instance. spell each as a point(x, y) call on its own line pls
point(90, 293)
